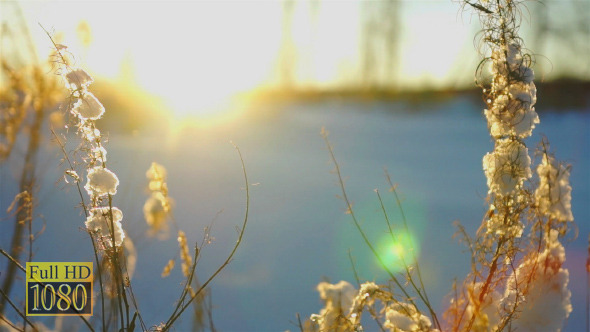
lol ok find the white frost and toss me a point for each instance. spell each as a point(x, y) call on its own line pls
point(485, 312)
point(511, 112)
point(366, 296)
point(99, 221)
point(541, 282)
point(101, 182)
point(88, 107)
point(554, 194)
point(507, 166)
point(78, 79)
point(99, 153)
point(338, 298)
point(402, 317)
point(89, 132)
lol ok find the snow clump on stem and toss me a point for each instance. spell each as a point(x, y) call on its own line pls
point(106, 223)
point(554, 193)
point(101, 182)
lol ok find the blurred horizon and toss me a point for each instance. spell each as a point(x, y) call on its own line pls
point(197, 57)
point(393, 81)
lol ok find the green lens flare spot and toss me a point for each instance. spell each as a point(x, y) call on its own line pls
point(397, 251)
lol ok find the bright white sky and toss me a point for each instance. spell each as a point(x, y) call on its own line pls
point(197, 53)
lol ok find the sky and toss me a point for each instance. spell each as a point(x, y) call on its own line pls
point(181, 50)
point(196, 54)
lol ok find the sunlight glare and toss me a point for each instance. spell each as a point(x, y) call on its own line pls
point(434, 39)
point(196, 55)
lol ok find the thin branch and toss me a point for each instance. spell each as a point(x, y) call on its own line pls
point(65, 154)
point(104, 329)
point(422, 289)
point(174, 317)
point(10, 323)
point(17, 310)
point(360, 229)
point(354, 270)
point(12, 260)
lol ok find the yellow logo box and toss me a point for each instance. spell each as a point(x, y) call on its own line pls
point(59, 288)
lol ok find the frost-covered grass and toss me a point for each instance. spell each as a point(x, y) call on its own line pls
point(115, 256)
point(517, 280)
point(104, 221)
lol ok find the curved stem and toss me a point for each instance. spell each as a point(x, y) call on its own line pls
point(360, 229)
point(177, 314)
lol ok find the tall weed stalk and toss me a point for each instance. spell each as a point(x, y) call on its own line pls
point(517, 281)
point(114, 253)
point(27, 98)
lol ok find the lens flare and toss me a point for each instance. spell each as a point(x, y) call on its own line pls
point(398, 250)
point(393, 250)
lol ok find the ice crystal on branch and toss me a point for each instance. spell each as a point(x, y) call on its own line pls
point(156, 172)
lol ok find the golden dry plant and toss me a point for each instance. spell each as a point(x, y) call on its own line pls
point(28, 100)
point(518, 281)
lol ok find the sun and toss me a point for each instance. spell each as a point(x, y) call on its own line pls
point(198, 59)
point(195, 55)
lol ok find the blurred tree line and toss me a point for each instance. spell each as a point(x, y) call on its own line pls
point(559, 31)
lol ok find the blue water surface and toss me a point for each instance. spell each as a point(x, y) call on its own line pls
point(298, 232)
